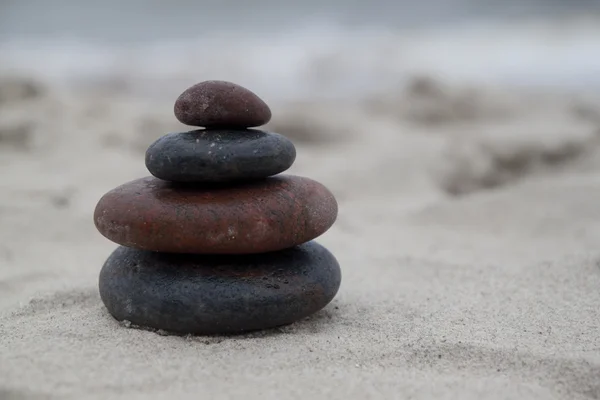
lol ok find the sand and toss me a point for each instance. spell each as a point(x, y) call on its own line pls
point(468, 236)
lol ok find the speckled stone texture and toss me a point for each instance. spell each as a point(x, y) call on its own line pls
point(251, 217)
point(221, 104)
point(194, 294)
point(219, 155)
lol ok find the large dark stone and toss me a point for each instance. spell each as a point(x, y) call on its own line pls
point(249, 217)
point(218, 155)
point(197, 294)
point(221, 104)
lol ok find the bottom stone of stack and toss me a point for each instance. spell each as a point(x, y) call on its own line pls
point(218, 294)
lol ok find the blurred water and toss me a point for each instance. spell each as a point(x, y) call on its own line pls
point(305, 48)
point(146, 20)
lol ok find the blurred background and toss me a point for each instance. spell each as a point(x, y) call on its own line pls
point(101, 77)
point(330, 70)
point(290, 49)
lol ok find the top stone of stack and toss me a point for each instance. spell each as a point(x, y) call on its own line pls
point(221, 104)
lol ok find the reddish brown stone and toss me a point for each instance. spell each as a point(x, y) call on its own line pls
point(253, 217)
point(220, 104)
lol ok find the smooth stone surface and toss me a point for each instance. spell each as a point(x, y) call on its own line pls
point(187, 293)
point(250, 217)
point(221, 104)
point(219, 155)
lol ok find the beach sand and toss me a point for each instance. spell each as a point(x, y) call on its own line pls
point(468, 237)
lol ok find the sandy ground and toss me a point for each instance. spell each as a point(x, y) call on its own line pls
point(468, 238)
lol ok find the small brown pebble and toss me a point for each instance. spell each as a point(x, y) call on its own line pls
point(221, 104)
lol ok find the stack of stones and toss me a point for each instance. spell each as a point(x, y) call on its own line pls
point(218, 240)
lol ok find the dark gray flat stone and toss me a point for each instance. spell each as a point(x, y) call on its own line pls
point(201, 294)
point(219, 155)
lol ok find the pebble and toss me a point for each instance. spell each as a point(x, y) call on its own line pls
point(219, 155)
point(250, 217)
point(195, 294)
point(221, 104)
